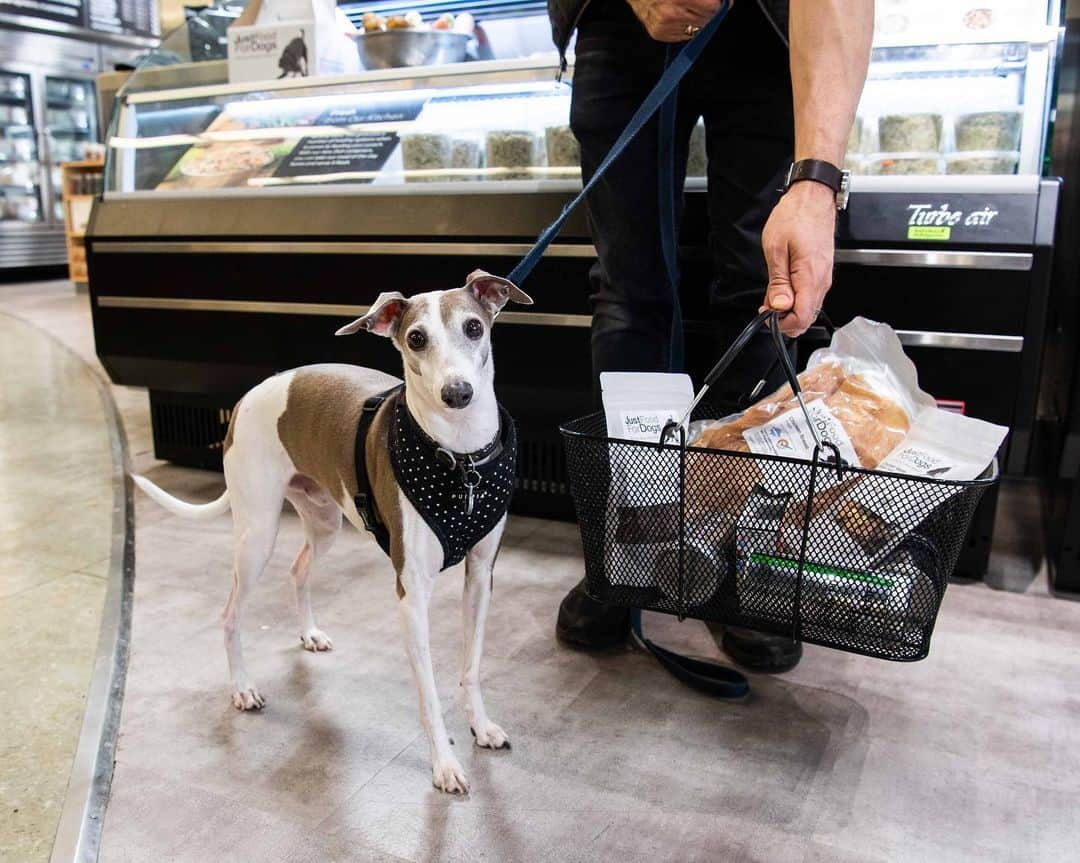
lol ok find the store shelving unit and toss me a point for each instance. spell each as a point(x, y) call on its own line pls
point(81, 184)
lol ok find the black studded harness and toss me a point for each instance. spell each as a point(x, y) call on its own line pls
point(460, 496)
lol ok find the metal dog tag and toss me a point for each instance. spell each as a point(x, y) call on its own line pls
point(471, 477)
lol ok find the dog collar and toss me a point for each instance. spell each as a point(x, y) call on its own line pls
point(462, 461)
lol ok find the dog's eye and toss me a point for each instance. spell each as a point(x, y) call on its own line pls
point(473, 328)
point(417, 340)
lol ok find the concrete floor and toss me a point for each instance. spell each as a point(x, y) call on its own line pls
point(969, 755)
point(55, 530)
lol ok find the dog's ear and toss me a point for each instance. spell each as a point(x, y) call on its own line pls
point(494, 292)
point(382, 318)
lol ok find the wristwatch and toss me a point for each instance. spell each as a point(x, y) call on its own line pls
point(821, 172)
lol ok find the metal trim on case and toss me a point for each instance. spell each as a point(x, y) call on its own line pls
point(260, 307)
point(48, 27)
point(919, 258)
point(990, 342)
point(414, 78)
point(912, 338)
point(558, 250)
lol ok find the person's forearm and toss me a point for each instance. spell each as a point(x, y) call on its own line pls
point(830, 50)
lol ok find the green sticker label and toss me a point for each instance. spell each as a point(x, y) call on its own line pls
point(929, 232)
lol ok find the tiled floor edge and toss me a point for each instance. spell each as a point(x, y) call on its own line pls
point(78, 834)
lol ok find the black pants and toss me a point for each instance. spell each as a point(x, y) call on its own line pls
point(741, 86)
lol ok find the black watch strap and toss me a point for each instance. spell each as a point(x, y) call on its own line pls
point(822, 172)
point(817, 170)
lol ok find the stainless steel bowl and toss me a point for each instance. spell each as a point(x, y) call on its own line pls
point(389, 49)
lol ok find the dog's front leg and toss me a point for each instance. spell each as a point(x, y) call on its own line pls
point(417, 583)
point(477, 596)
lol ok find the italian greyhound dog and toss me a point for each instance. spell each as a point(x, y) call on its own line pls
point(294, 437)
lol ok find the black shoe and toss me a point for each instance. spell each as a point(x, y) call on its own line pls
point(758, 651)
point(584, 622)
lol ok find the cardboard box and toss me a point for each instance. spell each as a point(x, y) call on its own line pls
point(284, 49)
point(276, 39)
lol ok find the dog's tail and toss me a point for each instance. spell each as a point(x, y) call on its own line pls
point(180, 507)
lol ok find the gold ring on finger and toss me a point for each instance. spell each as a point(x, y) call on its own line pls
point(692, 30)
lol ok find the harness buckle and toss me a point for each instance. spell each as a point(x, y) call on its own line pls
point(367, 514)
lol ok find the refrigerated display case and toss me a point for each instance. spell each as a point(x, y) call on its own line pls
point(48, 116)
point(20, 169)
point(70, 127)
point(242, 222)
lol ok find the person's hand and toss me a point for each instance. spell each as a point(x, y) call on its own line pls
point(798, 241)
point(669, 20)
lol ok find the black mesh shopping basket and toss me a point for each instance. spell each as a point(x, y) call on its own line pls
point(843, 557)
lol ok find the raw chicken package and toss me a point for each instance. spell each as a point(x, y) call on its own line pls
point(862, 394)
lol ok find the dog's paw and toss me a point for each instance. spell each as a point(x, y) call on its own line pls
point(316, 641)
point(491, 736)
point(447, 775)
point(248, 698)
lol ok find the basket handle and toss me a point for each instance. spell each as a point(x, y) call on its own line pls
point(725, 361)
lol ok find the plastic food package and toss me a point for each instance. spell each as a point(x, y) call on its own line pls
point(904, 163)
point(982, 162)
point(515, 150)
point(864, 391)
point(423, 151)
point(465, 155)
point(855, 136)
point(563, 150)
point(855, 163)
point(989, 130)
point(907, 132)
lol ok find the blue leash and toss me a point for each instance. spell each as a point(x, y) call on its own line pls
point(709, 677)
point(676, 70)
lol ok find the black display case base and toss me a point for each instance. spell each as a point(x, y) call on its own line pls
point(189, 430)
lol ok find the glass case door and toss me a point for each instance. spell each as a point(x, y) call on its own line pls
point(20, 172)
point(70, 124)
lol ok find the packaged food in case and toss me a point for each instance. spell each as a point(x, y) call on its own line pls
point(855, 163)
point(989, 130)
point(982, 162)
point(515, 150)
point(466, 156)
point(563, 150)
point(910, 132)
point(425, 151)
point(855, 136)
point(904, 163)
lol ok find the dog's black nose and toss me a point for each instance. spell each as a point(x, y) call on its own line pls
point(458, 394)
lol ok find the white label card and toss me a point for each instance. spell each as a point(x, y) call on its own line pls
point(788, 435)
